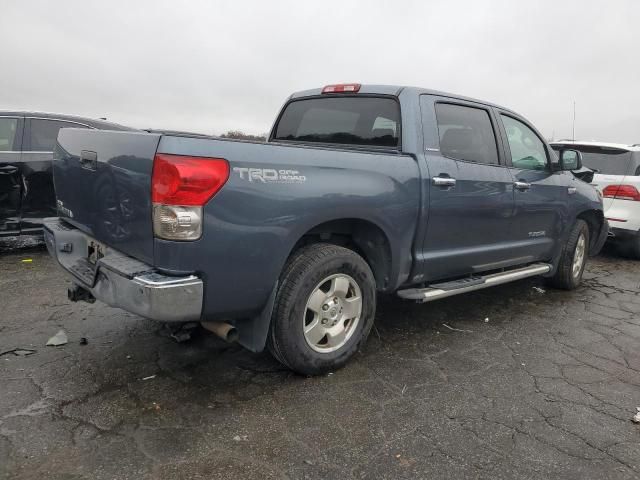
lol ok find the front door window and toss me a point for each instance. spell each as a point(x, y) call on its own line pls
point(527, 150)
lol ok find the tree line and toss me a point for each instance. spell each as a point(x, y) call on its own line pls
point(240, 135)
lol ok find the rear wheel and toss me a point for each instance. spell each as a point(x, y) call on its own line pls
point(573, 258)
point(324, 309)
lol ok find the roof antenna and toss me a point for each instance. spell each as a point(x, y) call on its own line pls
point(574, 121)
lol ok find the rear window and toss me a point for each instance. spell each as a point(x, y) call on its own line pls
point(44, 133)
point(362, 121)
point(466, 133)
point(608, 161)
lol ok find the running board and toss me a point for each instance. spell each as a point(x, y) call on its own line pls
point(448, 289)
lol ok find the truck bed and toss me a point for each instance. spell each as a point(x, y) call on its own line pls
point(274, 195)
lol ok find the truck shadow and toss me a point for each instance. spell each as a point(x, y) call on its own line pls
point(217, 373)
point(134, 354)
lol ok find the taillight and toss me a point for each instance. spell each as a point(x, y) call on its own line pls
point(622, 192)
point(342, 88)
point(180, 180)
point(180, 186)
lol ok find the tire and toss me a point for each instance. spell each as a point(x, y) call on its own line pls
point(569, 274)
point(318, 294)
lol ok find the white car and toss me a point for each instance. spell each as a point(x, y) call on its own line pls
point(617, 177)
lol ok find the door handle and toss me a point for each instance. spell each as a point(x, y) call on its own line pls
point(522, 185)
point(8, 170)
point(444, 181)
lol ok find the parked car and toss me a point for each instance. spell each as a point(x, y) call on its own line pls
point(617, 177)
point(26, 150)
point(359, 189)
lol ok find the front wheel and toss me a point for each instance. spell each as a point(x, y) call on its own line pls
point(573, 258)
point(324, 309)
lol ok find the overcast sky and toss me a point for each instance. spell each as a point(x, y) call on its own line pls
point(211, 66)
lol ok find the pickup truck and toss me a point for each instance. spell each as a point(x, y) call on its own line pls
point(285, 243)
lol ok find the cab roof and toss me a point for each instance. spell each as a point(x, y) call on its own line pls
point(395, 90)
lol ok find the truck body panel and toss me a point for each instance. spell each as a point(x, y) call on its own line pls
point(103, 186)
point(261, 213)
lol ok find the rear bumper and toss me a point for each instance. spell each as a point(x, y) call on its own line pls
point(623, 235)
point(623, 215)
point(124, 282)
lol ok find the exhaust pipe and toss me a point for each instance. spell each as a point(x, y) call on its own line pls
point(224, 330)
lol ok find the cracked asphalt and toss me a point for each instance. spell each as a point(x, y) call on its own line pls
point(546, 388)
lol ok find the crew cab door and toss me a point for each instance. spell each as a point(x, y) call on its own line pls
point(470, 192)
point(541, 196)
point(10, 185)
point(38, 196)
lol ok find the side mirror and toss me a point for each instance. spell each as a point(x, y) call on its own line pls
point(570, 160)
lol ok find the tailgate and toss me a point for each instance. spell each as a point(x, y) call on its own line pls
point(103, 186)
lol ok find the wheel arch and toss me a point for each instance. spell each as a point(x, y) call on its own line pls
point(365, 237)
point(595, 221)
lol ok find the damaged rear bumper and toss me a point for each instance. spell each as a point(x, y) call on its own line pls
point(122, 281)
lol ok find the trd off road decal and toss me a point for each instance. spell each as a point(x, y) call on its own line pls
point(269, 175)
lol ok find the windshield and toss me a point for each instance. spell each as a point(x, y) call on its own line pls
point(607, 161)
point(358, 120)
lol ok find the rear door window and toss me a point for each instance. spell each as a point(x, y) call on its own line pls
point(9, 140)
point(466, 133)
point(43, 134)
point(358, 121)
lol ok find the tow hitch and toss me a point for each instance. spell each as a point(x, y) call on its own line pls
point(78, 294)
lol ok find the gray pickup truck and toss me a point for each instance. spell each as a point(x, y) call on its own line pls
point(359, 189)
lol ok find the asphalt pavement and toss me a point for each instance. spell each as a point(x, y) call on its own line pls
point(517, 381)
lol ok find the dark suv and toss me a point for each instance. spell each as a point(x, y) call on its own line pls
point(27, 140)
